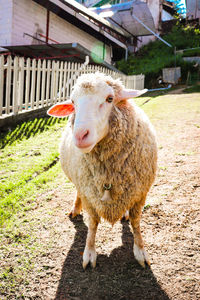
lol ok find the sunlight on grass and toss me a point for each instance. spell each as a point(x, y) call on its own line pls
point(29, 152)
point(29, 129)
point(29, 157)
point(160, 107)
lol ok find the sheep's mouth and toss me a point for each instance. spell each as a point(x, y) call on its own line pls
point(85, 148)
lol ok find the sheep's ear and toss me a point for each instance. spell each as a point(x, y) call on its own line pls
point(61, 110)
point(127, 94)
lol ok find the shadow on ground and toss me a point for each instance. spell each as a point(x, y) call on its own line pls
point(25, 130)
point(115, 277)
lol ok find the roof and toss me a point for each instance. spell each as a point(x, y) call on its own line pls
point(123, 14)
point(92, 15)
point(88, 21)
point(169, 7)
point(73, 52)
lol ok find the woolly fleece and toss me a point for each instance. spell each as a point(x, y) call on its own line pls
point(126, 158)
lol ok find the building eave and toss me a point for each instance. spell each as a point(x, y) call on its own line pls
point(71, 52)
point(81, 17)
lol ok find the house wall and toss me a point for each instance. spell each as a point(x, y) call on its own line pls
point(6, 9)
point(62, 31)
point(30, 18)
point(155, 9)
point(193, 9)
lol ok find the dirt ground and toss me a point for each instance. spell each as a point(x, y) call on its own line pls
point(170, 227)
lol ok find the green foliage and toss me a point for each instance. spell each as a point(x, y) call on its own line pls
point(192, 52)
point(153, 57)
point(193, 89)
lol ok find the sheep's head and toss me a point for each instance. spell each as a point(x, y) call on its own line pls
point(92, 100)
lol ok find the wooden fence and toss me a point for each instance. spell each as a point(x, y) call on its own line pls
point(29, 84)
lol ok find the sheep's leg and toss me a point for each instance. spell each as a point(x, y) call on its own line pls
point(77, 206)
point(89, 254)
point(139, 252)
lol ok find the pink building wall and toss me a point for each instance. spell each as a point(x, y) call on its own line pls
point(19, 18)
point(193, 9)
point(6, 9)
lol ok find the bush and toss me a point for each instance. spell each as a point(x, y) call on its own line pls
point(152, 58)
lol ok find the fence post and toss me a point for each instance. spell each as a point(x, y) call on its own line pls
point(52, 82)
point(60, 82)
point(48, 82)
point(64, 81)
point(1, 83)
point(27, 92)
point(38, 82)
point(124, 80)
point(15, 85)
point(43, 81)
point(67, 86)
point(33, 83)
point(55, 89)
point(21, 83)
point(71, 78)
point(8, 84)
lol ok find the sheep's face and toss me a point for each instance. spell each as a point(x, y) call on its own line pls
point(93, 105)
point(91, 102)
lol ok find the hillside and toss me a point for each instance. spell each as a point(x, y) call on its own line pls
point(152, 58)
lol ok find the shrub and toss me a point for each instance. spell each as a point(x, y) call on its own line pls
point(153, 57)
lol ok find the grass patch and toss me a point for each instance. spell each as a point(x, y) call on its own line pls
point(193, 89)
point(17, 199)
point(29, 156)
point(25, 130)
point(159, 106)
point(21, 248)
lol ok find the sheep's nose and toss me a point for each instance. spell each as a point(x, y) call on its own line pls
point(81, 136)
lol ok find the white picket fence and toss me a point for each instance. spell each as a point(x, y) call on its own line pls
point(29, 84)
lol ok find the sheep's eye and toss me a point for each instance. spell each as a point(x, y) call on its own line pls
point(109, 99)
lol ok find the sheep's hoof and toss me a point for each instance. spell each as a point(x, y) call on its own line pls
point(74, 212)
point(89, 255)
point(141, 256)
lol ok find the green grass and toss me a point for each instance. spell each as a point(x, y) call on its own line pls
point(153, 57)
point(159, 106)
point(191, 52)
point(193, 89)
point(29, 163)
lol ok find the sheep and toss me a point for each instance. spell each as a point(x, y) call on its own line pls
point(109, 151)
